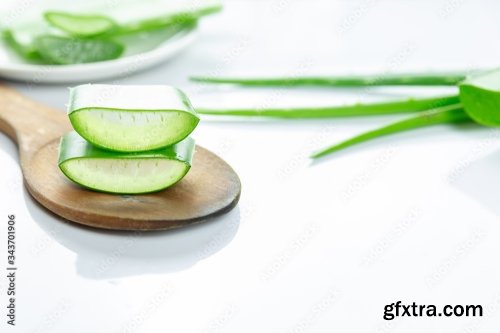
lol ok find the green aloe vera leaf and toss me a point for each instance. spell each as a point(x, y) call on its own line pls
point(123, 173)
point(20, 38)
point(480, 96)
point(185, 16)
point(27, 52)
point(401, 106)
point(66, 50)
point(80, 25)
point(145, 41)
point(88, 25)
point(131, 118)
point(478, 101)
point(131, 18)
point(444, 115)
point(437, 79)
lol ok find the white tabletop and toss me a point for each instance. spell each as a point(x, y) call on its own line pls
point(309, 248)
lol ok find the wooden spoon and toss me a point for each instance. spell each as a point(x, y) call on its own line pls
point(211, 187)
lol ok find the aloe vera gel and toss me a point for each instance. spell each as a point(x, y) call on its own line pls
point(116, 172)
point(131, 118)
point(128, 139)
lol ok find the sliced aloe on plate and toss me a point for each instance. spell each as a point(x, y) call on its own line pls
point(66, 50)
point(80, 25)
point(131, 118)
point(125, 173)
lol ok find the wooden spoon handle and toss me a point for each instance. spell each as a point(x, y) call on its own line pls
point(28, 123)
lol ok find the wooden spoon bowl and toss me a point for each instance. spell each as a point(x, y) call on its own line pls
point(210, 188)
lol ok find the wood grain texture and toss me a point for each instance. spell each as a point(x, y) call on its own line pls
point(211, 187)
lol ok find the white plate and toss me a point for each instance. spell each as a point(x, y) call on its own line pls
point(13, 67)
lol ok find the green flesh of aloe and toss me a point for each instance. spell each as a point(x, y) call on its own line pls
point(80, 25)
point(125, 173)
point(131, 118)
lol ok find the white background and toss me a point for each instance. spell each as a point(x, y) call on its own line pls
point(310, 248)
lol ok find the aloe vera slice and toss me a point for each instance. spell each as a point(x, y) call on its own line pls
point(63, 50)
point(125, 173)
point(131, 118)
point(80, 25)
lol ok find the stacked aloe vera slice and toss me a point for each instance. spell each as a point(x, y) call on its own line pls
point(128, 139)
